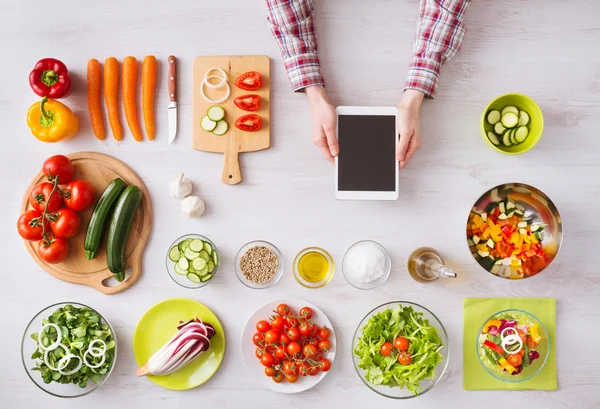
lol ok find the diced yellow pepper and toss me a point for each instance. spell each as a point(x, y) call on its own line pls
point(486, 234)
point(491, 323)
point(505, 365)
point(535, 334)
point(533, 239)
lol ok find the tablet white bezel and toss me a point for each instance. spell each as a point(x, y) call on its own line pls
point(366, 195)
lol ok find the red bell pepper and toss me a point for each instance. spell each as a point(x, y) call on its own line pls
point(50, 78)
point(493, 347)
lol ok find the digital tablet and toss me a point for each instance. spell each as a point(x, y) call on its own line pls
point(366, 167)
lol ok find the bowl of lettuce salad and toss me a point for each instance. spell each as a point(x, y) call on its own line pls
point(400, 350)
point(513, 345)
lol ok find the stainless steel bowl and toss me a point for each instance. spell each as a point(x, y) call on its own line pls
point(539, 208)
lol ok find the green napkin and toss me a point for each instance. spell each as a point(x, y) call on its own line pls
point(478, 310)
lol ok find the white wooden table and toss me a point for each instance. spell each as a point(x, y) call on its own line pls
point(548, 50)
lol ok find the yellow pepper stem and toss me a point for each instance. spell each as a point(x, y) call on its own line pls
point(47, 117)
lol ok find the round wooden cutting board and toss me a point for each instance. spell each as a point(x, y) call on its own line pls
point(99, 170)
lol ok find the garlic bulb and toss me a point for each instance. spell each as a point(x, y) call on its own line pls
point(181, 187)
point(193, 206)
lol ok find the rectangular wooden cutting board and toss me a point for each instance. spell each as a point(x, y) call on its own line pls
point(235, 141)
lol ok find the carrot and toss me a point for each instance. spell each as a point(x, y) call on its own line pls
point(130, 74)
point(148, 85)
point(111, 95)
point(94, 80)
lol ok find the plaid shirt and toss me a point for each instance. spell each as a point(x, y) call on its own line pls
point(440, 32)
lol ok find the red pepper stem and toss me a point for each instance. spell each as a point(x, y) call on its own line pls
point(49, 77)
point(47, 117)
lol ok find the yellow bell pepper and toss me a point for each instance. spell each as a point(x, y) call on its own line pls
point(491, 323)
point(51, 121)
point(535, 334)
point(505, 365)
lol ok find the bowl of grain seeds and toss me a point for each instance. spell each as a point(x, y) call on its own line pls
point(259, 264)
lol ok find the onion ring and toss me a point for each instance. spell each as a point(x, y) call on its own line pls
point(46, 358)
point(90, 365)
point(68, 358)
point(219, 70)
point(92, 349)
point(216, 101)
point(214, 86)
point(53, 345)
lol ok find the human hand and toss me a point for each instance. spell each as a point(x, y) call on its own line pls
point(324, 122)
point(408, 124)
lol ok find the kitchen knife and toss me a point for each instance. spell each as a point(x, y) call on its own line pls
point(172, 108)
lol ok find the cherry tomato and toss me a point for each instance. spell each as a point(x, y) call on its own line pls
point(65, 223)
point(325, 365)
point(309, 350)
point(401, 344)
point(306, 328)
point(283, 309)
point(306, 312)
point(260, 352)
point(324, 345)
point(386, 349)
point(278, 323)
point(248, 102)
point(280, 353)
point(313, 370)
point(293, 334)
point(249, 123)
point(249, 81)
point(30, 226)
point(39, 197)
point(263, 326)
point(290, 368)
point(522, 335)
point(404, 358)
point(272, 336)
point(284, 339)
point(258, 338)
point(293, 348)
point(323, 333)
point(521, 352)
point(58, 166)
point(278, 378)
point(531, 343)
point(54, 252)
point(291, 321)
point(267, 360)
point(515, 360)
point(276, 360)
point(78, 194)
point(302, 369)
point(270, 371)
point(292, 378)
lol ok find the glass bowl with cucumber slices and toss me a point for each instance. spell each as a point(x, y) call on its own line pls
point(193, 261)
point(512, 124)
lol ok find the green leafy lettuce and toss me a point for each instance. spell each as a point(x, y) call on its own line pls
point(425, 346)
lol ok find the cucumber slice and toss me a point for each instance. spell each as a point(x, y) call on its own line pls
point(523, 118)
point(196, 245)
point(538, 235)
point(206, 278)
point(190, 254)
point(502, 207)
point(476, 239)
point(207, 124)
point(499, 128)
point(493, 138)
point(184, 244)
point(203, 272)
point(506, 138)
point(510, 108)
point(502, 216)
point(493, 117)
point(490, 243)
point(207, 247)
point(513, 140)
point(215, 257)
point(483, 253)
point(183, 263)
point(521, 134)
point(510, 120)
point(510, 204)
point(174, 254)
point(535, 227)
point(211, 266)
point(179, 270)
point(199, 263)
point(221, 128)
point(193, 277)
point(215, 113)
point(204, 255)
point(522, 224)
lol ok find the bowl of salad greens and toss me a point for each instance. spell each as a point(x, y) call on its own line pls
point(400, 350)
point(513, 345)
point(68, 350)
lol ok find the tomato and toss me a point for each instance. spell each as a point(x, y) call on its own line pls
point(270, 371)
point(284, 339)
point(79, 195)
point(54, 252)
point(291, 321)
point(58, 166)
point(283, 309)
point(248, 102)
point(514, 359)
point(313, 370)
point(522, 335)
point(323, 333)
point(260, 352)
point(293, 334)
point(292, 378)
point(258, 338)
point(278, 323)
point(272, 336)
point(531, 343)
point(280, 353)
point(39, 197)
point(325, 365)
point(401, 344)
point(249, 123)
point(386, 349)
point(290, 368)
point(324, 345)
point(278, 378)
point(306, 328)
point(293, 348)
point(521, 352)
point(249, 81)
point(302, 369)
point(306, 312)
point(263, 326)
point(404, 358)
point(309, 350)
point(276, 360)
point(30, 226)
point(65, 223)
point(267, 360)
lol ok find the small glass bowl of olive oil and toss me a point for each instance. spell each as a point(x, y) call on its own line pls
point(313, 267)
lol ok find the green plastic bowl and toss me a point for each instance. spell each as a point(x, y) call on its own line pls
point(536, 122)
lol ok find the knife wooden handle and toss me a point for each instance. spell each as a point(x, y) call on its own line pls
point(172, 78)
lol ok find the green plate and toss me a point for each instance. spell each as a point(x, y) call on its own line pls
point(159, 324)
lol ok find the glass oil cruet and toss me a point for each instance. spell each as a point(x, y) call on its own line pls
point(426, 264)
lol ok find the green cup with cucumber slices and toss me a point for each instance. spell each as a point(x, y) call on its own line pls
point(512, 123)
point(192, 261)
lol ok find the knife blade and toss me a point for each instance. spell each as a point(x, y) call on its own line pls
point(172, 108)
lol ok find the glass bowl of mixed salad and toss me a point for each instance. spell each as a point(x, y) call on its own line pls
point(400, 350)
point(69, 350)
point(513, 345)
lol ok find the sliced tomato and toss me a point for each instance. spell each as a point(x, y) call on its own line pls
point(249, 81)
point(249, 102)
point(249, 123)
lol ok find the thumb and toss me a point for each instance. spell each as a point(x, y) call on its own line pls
point(405, 137)
point(332, 142)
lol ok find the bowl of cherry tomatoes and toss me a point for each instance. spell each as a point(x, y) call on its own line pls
point(288, 345)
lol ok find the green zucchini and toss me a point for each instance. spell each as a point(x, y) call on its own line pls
point(118, 231)
point(93, 235)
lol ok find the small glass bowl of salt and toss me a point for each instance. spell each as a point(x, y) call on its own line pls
point(366, 265)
